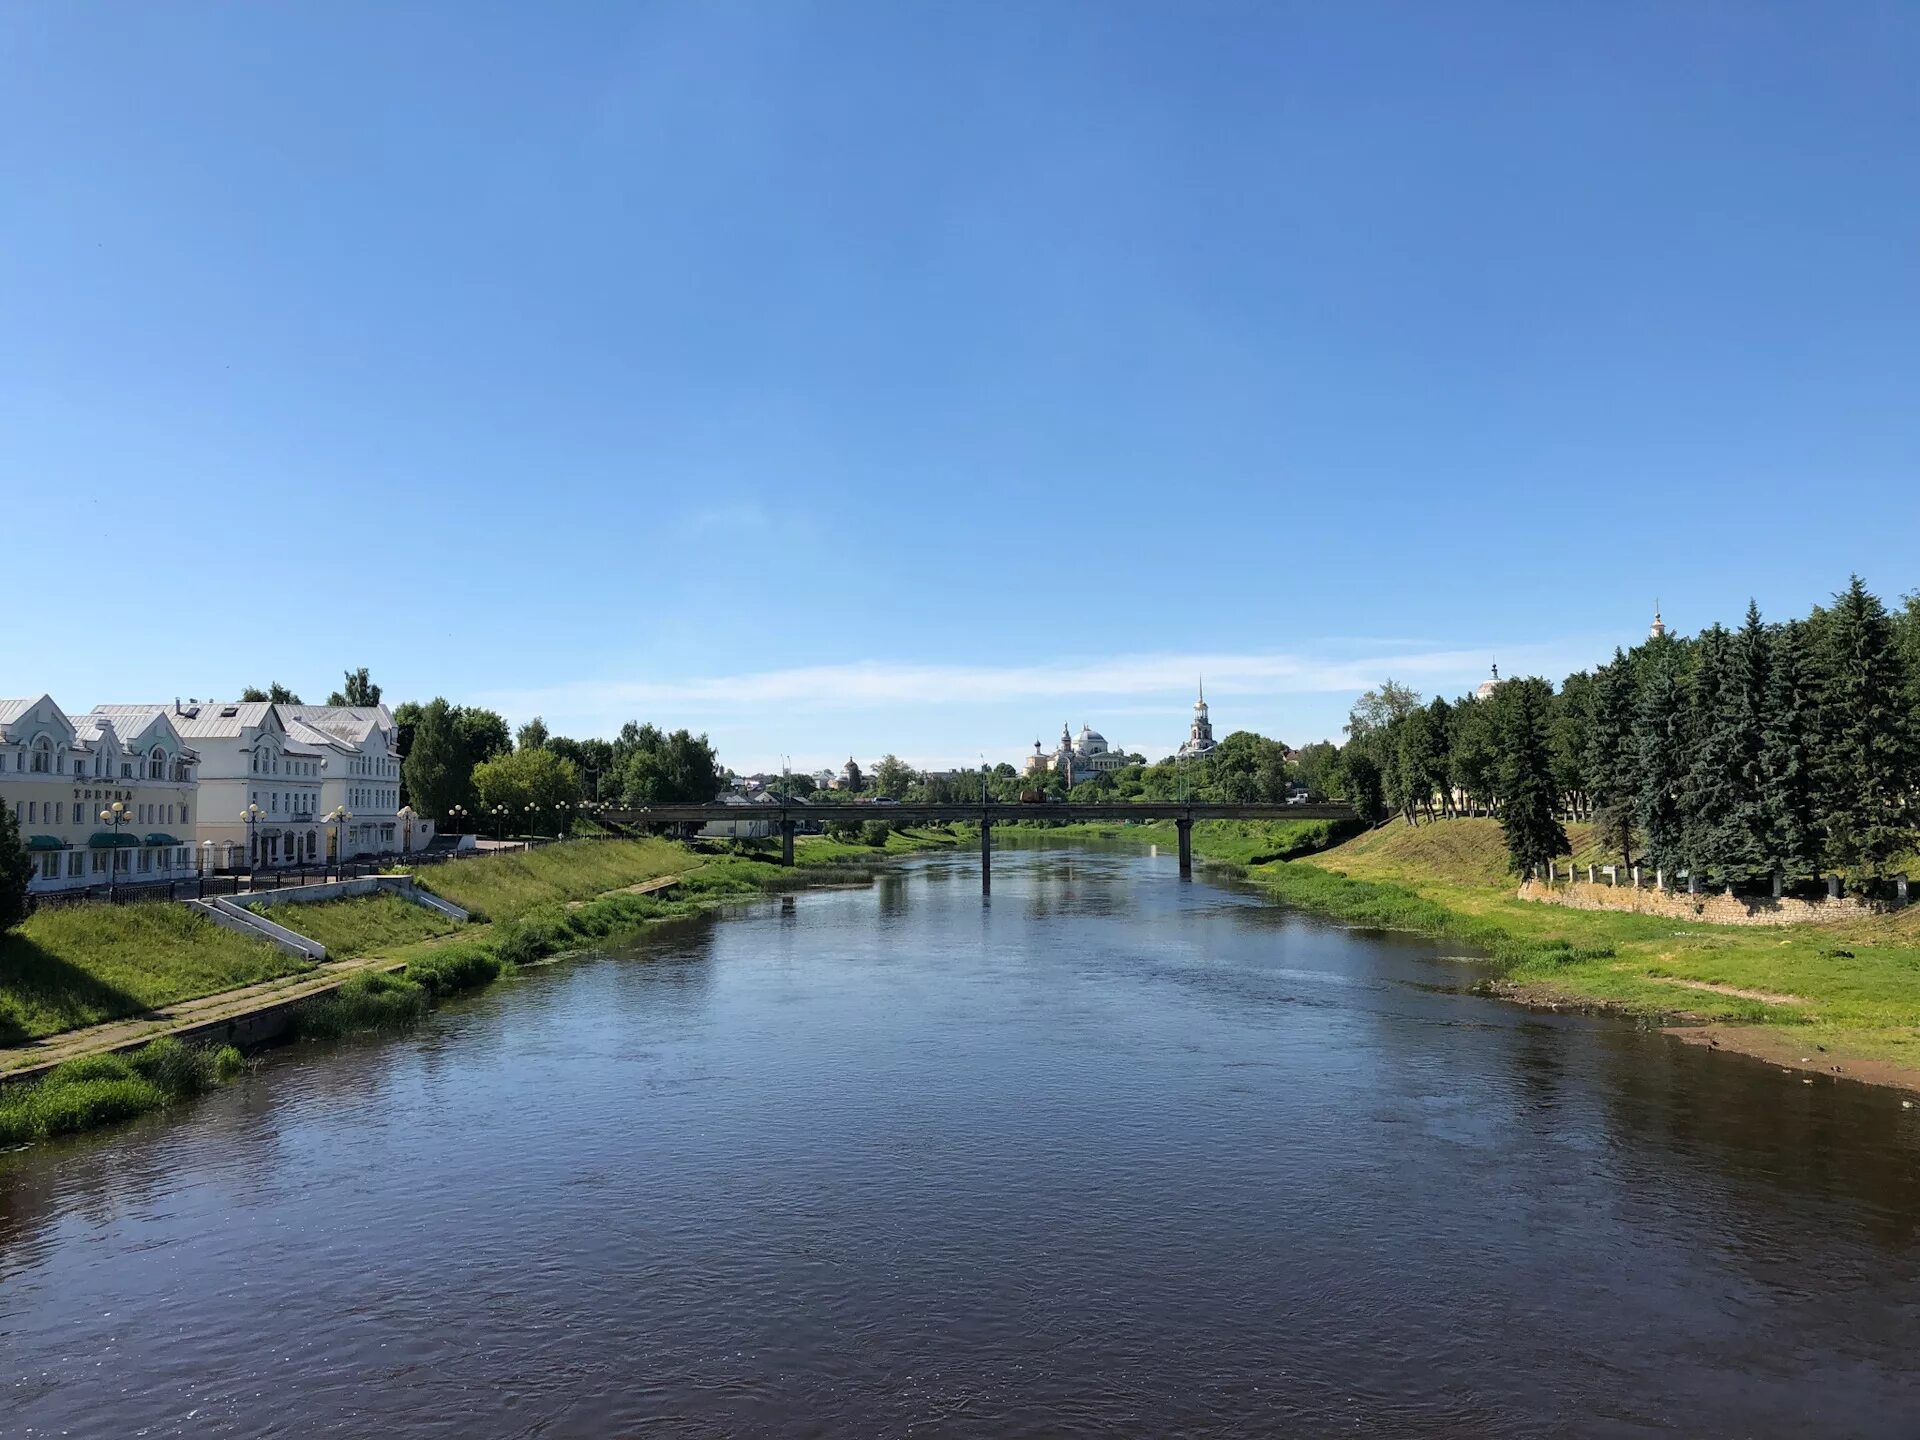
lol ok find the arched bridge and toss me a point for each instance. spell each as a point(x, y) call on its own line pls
point(787, 819)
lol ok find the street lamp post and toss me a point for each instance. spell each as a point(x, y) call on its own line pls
point(115, 815)
point(533, 822)
point(457, 816)
point(335, 818)
point(252, 815)
point(499, 813)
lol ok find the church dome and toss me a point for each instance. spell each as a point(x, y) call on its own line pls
point(1092, 741)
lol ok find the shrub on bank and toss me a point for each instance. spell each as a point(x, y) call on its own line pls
point(101, 1089)
point(464, 966)
point(371, 1000)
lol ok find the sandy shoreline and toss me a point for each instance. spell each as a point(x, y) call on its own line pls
point(1777, 1045)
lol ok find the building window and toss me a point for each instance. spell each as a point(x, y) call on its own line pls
point(42, 756)
point(157, 764)
point(183, 815)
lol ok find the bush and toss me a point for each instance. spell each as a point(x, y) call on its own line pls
point(228, 1062)
point(534, 936)
point(875, 833)
point(370, 1000)
point(177, 1069)
point(845, 831)
point(457, 967)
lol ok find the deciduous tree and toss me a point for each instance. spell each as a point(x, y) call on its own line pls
point(358, 690)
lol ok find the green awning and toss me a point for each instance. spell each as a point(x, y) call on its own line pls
point(45, 842)
point(161, 839)
point(107, 840)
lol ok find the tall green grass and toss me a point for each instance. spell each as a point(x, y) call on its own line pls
point(101, 1089)
point(505, 886)
point(363, 925)
point(85, 964)
point(371, 1000)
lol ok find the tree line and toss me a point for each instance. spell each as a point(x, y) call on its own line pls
point(1786, 748)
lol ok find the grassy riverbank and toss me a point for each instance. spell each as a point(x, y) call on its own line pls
point(1801, 995)
point(92, 963)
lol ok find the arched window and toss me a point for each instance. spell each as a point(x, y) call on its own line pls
point(43, 756)
point(156, 764)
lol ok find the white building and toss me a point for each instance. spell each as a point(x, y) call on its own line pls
point(362, 774)
point(259, 784)
point(59, 775)
point(1199, 739)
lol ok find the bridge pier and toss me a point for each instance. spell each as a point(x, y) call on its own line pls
point(786, 842)
point(1185, 827)
point(986, 856)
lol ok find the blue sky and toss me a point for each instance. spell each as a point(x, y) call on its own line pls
point(851, 377)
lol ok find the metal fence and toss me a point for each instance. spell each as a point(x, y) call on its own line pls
point(198, 886)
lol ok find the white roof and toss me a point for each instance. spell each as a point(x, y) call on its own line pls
point(219, 718)
point(352, 723)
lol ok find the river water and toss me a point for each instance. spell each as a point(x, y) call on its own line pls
point(1110, 1155)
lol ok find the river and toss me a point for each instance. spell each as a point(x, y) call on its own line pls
point(1110, 1155)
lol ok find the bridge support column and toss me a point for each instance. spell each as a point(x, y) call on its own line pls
point(1185, 827)
point(986, 856)
point(786, 842)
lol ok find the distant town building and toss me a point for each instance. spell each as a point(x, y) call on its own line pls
point(1659, 626)
point(1199, 739)
point(1487, 687)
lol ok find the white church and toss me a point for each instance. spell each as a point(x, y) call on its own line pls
point(1077, 757)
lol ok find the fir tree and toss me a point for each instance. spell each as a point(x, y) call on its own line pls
point(1724, 795)
point(1528, 794)
point(1707, 792)
point(1867, 753)
point(1793, 831)
point(1572, 723)
point(1746, 844)
point(1659, 738)
point(1611, 761)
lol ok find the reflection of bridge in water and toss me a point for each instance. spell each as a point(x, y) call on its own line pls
point(787, 819)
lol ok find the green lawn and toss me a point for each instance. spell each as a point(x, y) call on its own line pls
point(1853, 986)
point(90, 963)
point(363, 926)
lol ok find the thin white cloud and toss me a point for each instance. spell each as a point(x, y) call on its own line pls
point(595, 706)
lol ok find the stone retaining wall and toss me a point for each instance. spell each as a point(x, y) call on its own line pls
point(1715, 908)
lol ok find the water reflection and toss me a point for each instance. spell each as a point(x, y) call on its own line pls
point(1112, 1155)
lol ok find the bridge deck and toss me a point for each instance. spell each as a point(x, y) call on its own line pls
point(991, 813)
